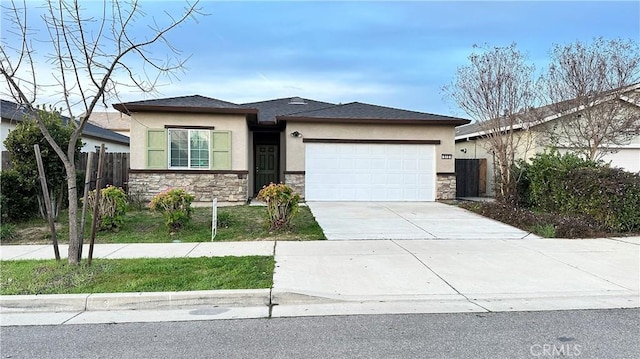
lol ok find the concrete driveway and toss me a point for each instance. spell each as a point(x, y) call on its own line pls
point(407, 220)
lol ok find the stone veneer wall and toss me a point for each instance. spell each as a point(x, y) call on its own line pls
point(226, 187)
point(295, 181)
point(446, 186)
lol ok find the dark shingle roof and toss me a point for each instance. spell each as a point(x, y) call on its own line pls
point(468, 129)
point(364, 111)
point(14, 112)
point(194, 103)
point(186, 101)
point(269, 110)
point(289, 108)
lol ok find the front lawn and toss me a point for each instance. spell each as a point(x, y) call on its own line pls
point(236, 223)
point(136, 275)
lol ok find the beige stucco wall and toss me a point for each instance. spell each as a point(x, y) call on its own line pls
point(295, 150)
point(142, 121)
point(528, 146)
point(89, 144)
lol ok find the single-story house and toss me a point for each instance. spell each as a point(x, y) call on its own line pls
point(471, 143)
point(325, 151)
point(93, 136)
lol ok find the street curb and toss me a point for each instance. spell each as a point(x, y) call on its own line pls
point(133, 301)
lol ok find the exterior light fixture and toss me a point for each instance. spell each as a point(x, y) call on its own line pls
point(296, 134)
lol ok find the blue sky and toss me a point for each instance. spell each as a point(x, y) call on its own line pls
point(390, 53)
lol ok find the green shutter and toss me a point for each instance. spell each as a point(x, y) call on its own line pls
point(221, 150)
point(156, 149)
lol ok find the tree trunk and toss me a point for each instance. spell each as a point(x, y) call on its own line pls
point(74, 239)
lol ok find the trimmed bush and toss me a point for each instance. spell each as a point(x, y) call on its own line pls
point(282, 205)
point(542, 180)
point(610, 195)
point(175, 205)
point(112, 207)
point(569, 185)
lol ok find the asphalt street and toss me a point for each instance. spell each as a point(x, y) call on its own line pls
point(583, 334)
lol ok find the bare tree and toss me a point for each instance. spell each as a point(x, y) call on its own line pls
point(90, 57)
point(497, 91)
point(595, 87)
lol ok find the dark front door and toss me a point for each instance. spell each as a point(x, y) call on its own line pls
point(266, 165)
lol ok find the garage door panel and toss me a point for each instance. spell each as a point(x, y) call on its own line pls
point(369, 172)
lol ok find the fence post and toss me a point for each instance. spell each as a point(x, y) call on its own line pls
point(96, 204)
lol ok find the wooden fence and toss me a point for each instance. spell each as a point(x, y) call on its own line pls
point(116, 168)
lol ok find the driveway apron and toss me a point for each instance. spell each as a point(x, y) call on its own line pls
point(407, 220)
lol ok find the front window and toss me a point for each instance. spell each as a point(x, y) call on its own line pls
point(189, 148)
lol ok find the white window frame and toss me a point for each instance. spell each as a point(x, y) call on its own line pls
point(189, 132)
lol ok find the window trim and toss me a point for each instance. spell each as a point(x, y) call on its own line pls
point(189, 130)
point(180, 127)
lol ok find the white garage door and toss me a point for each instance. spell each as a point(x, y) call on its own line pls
point(369, 172)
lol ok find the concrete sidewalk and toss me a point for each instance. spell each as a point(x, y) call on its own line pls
point(144, 250)
point(366, 277)
point(406, 276)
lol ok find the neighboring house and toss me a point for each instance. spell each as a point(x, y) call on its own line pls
point(472, 145)
point(114, 121)
point(353, 151)
point(92, 135)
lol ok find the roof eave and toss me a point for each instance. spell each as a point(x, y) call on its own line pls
point(128, 109)
point(374, 120)
point(102, 138)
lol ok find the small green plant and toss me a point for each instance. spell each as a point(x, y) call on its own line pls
point(544, 230)
point(7, 232)
point(282, 205)
point(224, 219)
point(112, 207)
point(175, 205)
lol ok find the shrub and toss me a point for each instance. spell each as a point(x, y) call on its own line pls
point(610, 195)
point(175, 205)
point(282, 205)
point(571, 186)
point(18, 199)
point(19, 143)
point(542, 180)
point(111, 208)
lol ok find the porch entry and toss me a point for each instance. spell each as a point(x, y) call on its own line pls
point(266, 161)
